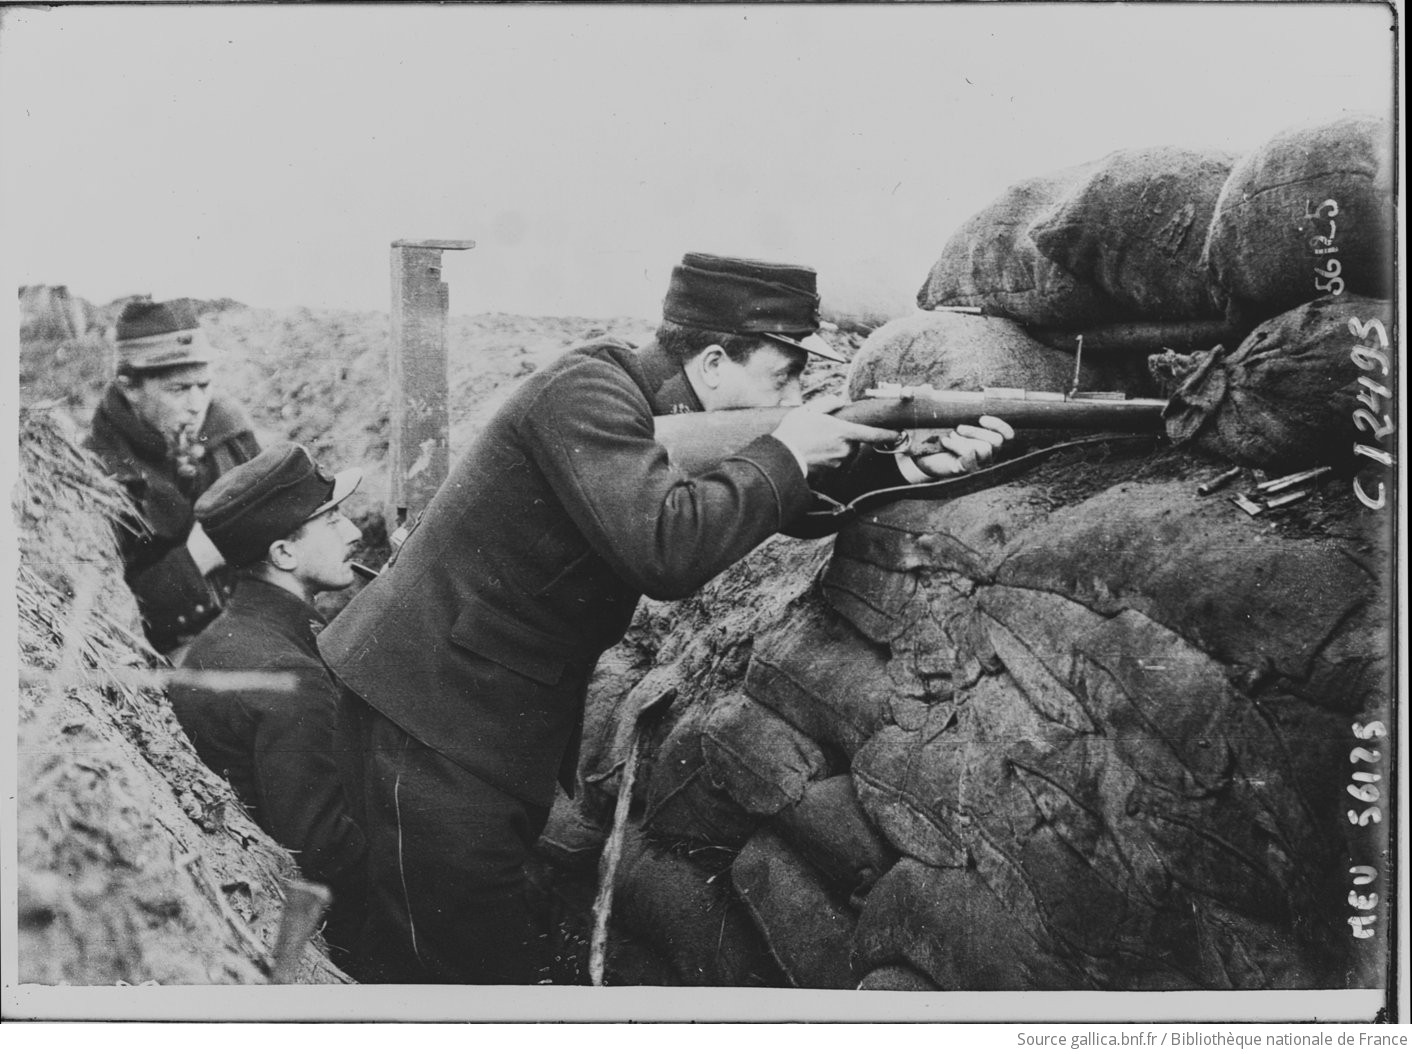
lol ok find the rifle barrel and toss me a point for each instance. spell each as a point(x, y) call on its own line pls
point(698, 442)
point(1020, 410)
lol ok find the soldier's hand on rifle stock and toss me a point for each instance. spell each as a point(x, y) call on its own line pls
point(819, 440)
point(967, 448)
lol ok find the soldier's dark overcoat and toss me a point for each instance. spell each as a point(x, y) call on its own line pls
point(533, 555)
point(276, 748)
point(175, 599)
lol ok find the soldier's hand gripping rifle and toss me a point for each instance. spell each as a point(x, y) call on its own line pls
point(697, 442)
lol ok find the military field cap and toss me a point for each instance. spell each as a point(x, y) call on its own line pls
point(735, 295)
point(155, 335)
point(267, 498)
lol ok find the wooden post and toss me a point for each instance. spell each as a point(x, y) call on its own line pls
point(420, 422)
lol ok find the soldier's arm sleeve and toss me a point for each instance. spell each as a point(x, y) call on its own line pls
point(665, 533)
point(172, 594)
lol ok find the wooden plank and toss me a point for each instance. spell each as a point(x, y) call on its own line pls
point(433, 243)
point(417, 363)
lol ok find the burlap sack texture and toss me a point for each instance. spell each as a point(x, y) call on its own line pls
point(1132, 777)
point(992, 263)
point(1265, 247)
point(1136, 226)
point(969, 352)
point(1288, 397)
point(808, 926)
point(1105, 734)
point(685, 911)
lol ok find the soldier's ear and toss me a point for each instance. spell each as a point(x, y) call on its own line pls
point(280, 556)
point(710, 360)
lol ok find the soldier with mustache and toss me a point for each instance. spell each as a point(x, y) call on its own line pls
point(164, 435)
point(277, 523)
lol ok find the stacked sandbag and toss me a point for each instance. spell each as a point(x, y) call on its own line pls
point(1179, 248)
point(1135, 227)
point(1135, 778)
point(1308, 213)
point(1110, 251)
point(685, 911)
point(1082, 729)
point(730, 775)
point(808, 926)
point(943, 929)
point(992, 263)
point(1086, 729)
point(828, 828)
point(959, 352)
point(1290, 396)
point(685, 804)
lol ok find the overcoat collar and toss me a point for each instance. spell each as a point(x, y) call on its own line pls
point(254, 597)
point(665, 383)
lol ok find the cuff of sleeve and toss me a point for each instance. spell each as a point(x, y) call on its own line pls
point(798, 458)
point(173, 595)
point(781, 467)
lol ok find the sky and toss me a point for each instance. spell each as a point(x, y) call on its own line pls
point(272, 153)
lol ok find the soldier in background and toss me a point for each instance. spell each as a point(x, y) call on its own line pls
point(277, 523)
point(162, 433)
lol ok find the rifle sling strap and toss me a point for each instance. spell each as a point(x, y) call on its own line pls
point(834, 514)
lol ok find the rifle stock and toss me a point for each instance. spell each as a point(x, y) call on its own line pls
point(699, 441)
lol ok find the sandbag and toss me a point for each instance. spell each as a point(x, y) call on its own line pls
point(756, 757)
point(821, 677)
point(683, 805)
point(1100, 844)
point(873, 580)
point(828, 828)
point(1136, 226)
point(946, 925)
point(1288, 397)
point(807, 927)
point(991, 262)
point(960, 352)
point(570, 838)
point(1147, 741)
point(1308, 213)
point(1291, 615)
point(687, 914)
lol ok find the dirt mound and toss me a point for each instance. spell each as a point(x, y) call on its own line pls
point(49, 312)
point(136, 864)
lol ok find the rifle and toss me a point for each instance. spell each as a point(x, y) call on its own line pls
point(698, 442)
